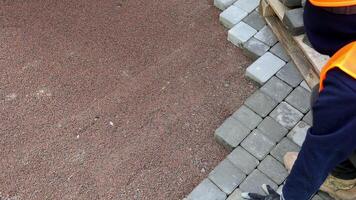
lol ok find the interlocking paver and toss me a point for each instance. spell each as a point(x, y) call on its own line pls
point(276, 88)
point(255, 20)
point(247, 5)
point(258, 144)
point(223, 4)
point(231, 16)
point(243, 160)
point(299, 98)
point(283, 147)
point(279, 51)
point(292, 3)
point(316, 197)
point(286, 115)
point(324, 196)
point(264, 68)
point(305, 86)
point(293, 20)
point(240, 33)
point(236, 195)
point(280, 189)
point(231, 133)
point(272, 129)
point(303, 3)
point(254, 181)
point(227, 176)
point(308, 118)
point(273, 169)
point(267, 36)
point(248, 118)
point(255, 48)
point(261, 103)
point(298, 133)
point(290, 74)
point(306, 41)
point(206, 190)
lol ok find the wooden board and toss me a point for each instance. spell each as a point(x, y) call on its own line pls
point(294, 51)
point(278, 7)
point(316, 59)
point(266, 10)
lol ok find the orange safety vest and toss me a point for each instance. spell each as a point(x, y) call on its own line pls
point(344, 59)
point(333, 3)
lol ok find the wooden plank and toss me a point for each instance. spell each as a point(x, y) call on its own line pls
point(265, 9)
point(318, 60)
point(303, 64)
point(278, 7)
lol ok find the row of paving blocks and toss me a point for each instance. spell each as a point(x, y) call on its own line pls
point(273, 120)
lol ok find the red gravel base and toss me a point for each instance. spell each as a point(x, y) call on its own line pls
point(113, 99)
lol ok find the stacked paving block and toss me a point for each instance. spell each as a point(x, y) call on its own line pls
point(273, 121)
point(293, 17)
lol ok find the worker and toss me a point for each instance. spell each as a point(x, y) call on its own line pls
point(327, 159)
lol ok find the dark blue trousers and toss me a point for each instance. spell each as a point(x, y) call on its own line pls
point(328, 32)
point(331, 141)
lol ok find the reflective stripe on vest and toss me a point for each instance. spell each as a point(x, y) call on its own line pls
point(333, 3)
point(344, 59)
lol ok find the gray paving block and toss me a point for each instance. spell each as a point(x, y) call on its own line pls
point(298, 133)
point(303, 3)
point(247, 5)
point(306, 41)
point(292, 3)
point(231, 16)
point(280, 189)
point(255, 48)
point(272, 129)
point(223, 4)
point(286, 115)
point(231, 133)
point(254, 182)
point(240, 33)
point(308, 118)
point(266, 36)
point(248, 118)
point(264, 68)
point(261, 103)
point(236, 195)
point(258, 144)
point(227, 176)
point(299, 98)
point(304, 85)
point(316, 197)
point(206, 190)
point(276, 88)
point(273, 169)
point(279, 51)
point(255, 20)
point(324, 196)
point(282, 148)
point(290, 74)
point(243, 160)
point(293, 20)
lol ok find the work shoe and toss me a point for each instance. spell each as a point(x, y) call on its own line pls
point(337, 188)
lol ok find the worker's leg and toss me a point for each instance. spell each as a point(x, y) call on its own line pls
point(345, 170)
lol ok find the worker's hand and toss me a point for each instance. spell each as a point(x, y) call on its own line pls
point(271, 194)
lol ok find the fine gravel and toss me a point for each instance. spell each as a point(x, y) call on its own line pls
point(113, 99)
